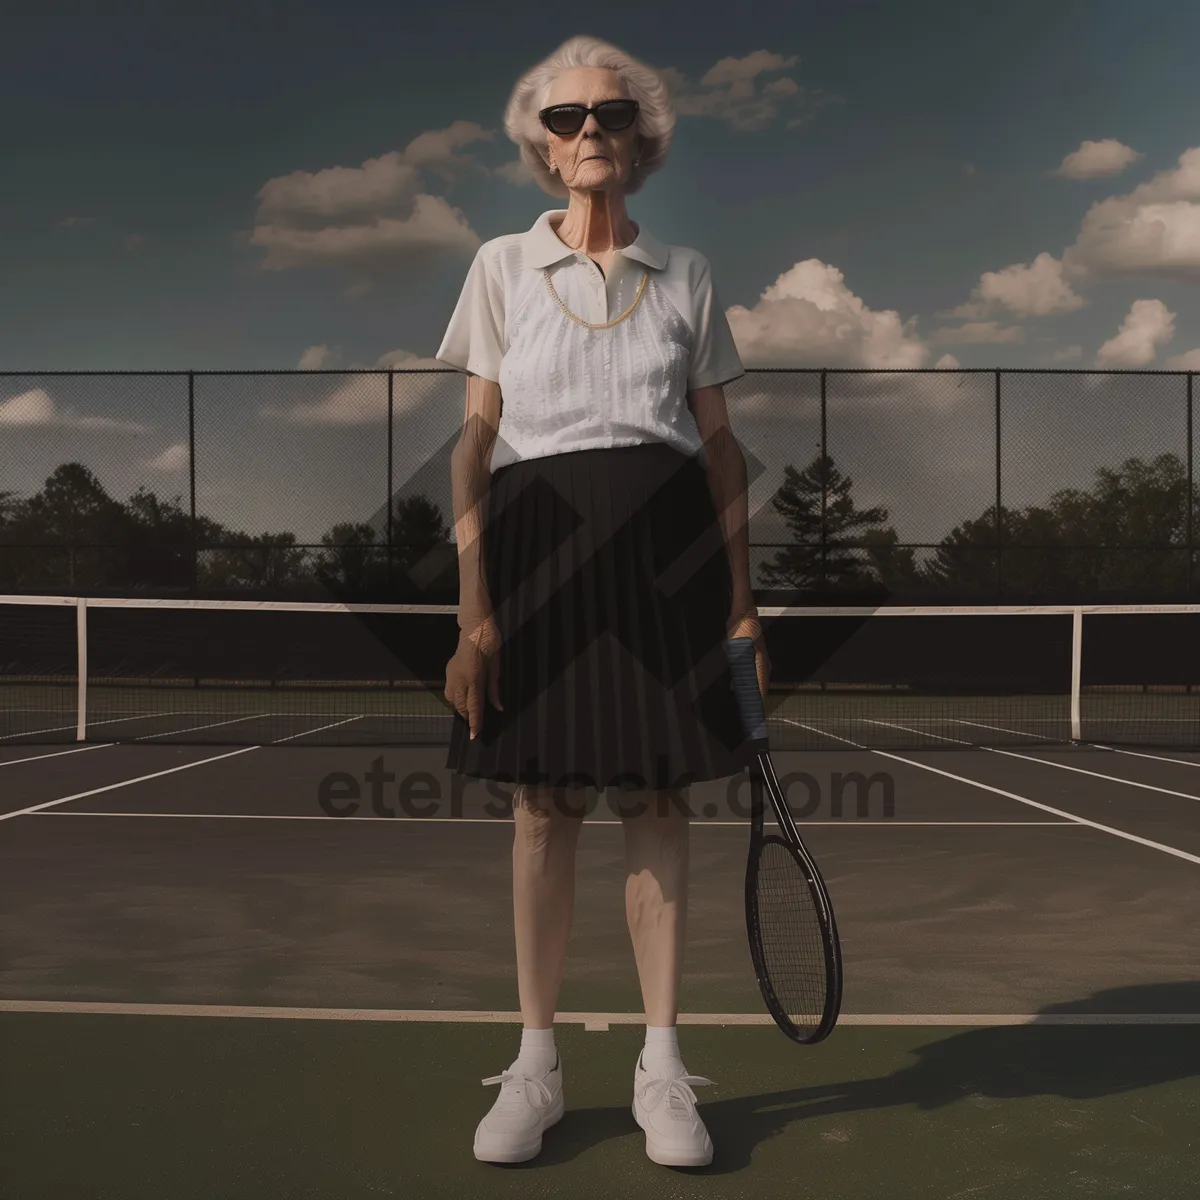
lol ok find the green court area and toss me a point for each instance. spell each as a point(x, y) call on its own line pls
point(212, 986)
point(135, 1107)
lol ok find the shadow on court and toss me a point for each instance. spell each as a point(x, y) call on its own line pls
point(1005, 1063)
point(138, 1108)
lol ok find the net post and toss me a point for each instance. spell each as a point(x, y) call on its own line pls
point(82, 668)
point(1076, 662)
point(999, 510)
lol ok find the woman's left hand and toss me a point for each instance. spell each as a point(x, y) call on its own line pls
point(746, 624)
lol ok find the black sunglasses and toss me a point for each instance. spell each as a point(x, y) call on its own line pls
point(613, 115)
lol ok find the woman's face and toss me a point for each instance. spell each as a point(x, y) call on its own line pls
point(594, 159)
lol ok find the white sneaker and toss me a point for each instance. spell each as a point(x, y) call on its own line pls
point(512, 1130)
point(666, 1109)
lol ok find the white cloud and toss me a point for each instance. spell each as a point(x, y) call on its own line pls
point(361, 399)
point(370, 220)
point(356, 195)
point(1035, 289)
point(515, 172)
point(316, 357)
point(1067, 353)
point(173, 458)
point(730, 91)
point(980, 333)
point(1148, 325)
point(377, 219)
point(1184, 362)
point(809, 317)
point(1096, 160)
point(355, 401)
point(37, 409)
point(734, 91)
point(384, 244)
point(1152, 231)
point(947, 363)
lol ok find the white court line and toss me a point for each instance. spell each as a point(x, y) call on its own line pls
point(308, 732)
point(1149, 787)
point(73, 726)
point(153, 716)
point(845, 823)
point(7, 737)
point(57, 753)
point(110, 787)
point(1002, 729)
point(987, 787)
point(588, 1020)
point(190, 729)
point(1183, 762)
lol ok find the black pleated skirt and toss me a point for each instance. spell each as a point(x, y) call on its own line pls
point(609, 579)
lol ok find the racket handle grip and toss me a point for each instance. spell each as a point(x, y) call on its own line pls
point(740, 652)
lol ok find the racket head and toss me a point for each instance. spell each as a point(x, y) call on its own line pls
point(793, 937)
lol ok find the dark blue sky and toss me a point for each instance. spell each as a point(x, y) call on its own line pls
point(939, 184)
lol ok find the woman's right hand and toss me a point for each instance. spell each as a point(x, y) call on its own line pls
point(475, 668)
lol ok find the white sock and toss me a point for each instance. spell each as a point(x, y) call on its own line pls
point(538, 1052)
point(661, 1052)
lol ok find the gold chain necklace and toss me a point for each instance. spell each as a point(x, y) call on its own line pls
point(598, 324)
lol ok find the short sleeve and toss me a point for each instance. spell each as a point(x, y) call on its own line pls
point(474, 340)
point(715, 358)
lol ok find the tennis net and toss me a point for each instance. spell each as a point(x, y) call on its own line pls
point(244, 673)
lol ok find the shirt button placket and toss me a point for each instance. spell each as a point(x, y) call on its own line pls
point(610, 400)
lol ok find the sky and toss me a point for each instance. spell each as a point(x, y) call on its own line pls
point(216, 186)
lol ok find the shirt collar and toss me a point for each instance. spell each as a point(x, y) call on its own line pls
point(543, 247)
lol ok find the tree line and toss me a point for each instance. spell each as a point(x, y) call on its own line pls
point(1126, 534)
point(72, 536)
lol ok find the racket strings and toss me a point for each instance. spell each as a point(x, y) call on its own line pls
point(791, 937)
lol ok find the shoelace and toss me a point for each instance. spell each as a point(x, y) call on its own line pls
point(544, 1096)
point(677, 1092)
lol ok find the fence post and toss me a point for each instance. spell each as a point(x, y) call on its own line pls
point(1190, 497)
point(999, 520)
point(192, 479)
point(824, 491)
point(390, 497)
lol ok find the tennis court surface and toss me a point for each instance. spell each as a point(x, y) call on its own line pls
point(266, 950)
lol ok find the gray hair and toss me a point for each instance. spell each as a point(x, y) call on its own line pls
point(655, 121)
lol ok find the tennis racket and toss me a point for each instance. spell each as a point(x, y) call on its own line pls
point(789, 918)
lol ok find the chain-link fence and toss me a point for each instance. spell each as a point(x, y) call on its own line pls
point(912, 486)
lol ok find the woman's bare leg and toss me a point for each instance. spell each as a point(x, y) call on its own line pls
point(656, 888)
point(545, 837)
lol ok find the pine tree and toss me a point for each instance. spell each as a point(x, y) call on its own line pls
point(806, 565)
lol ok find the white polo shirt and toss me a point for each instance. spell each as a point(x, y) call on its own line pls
point(566, 387)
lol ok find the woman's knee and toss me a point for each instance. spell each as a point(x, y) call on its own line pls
point(544, 815)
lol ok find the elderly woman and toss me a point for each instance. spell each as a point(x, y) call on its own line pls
point(600, 512)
